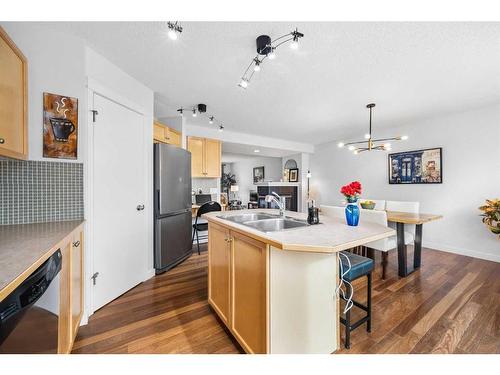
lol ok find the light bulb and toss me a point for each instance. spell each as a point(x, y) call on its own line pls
point(256, 67)
point(387, 146)
point(172, 34)
point(356, 152)
point(340, 144)
point(350, 148)
point(221, 128)
point(294, 44)
point(272, 54)
point(211, 120)
point(404, 137)
point(244, 83)
point(194, 113)
point(367, 136)
point(256, 151)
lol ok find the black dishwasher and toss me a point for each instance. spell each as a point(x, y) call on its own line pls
point(28, 322)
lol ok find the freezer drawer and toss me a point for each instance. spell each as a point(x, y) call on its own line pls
point(172, 240)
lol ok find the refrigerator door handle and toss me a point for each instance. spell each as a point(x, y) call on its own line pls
point(158, 200)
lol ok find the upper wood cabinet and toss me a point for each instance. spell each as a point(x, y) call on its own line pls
point(205, 157)
point(13, 100)
point(164, 134)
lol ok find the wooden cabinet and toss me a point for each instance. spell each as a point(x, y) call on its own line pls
point(238, 286)
point(71, 292)
point(164, 134)
point(205, 157)
point(13, 100)
point(249, 292)
point(219, 271)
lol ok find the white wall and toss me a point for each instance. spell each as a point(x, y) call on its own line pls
point(56, 64)
point(243, 170)
point(471, 173)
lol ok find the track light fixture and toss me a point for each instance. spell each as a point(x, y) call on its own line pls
point(201, 109)
point(174, 30)
point(369, 143)
point(266, 48)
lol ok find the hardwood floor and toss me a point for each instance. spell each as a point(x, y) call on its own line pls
point(452, 305)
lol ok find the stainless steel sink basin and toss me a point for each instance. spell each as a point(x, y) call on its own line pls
point(275, 225)
point(243, 218)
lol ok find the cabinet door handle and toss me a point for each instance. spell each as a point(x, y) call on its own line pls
point(229, 239)
point(2, 141)
point(76, 243)
point(140, 207)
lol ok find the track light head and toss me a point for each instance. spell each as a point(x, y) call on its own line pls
point(256, 67)
point(272, 54)
point(174, 30)
point(221, 128)
point(243, 83)
point(194, 112)
point(180, 110)
point(211, 120)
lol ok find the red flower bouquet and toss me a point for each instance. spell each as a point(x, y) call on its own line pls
point(351, 191)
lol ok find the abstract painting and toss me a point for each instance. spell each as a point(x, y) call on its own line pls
point(60, 126)
point(416, 167)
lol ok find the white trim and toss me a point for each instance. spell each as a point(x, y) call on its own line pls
point(461, 251)
point(94, 87)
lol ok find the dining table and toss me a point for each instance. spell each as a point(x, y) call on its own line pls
point(417, 219)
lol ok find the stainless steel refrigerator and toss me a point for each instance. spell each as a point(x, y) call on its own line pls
point(172, 202)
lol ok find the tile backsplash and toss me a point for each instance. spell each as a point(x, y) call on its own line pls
point(40, 191)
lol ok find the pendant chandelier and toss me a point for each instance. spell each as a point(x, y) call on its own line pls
point(369, 143)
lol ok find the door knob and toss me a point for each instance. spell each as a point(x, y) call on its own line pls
point(140, 207)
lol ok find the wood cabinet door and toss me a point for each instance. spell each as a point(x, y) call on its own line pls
point(212, 158)
point(64, 330)
point(173, 137)
point(196, 147)
point(249, 293)
point(13, 100)
point(158, 132)
point(219, 267)
point(76, 283)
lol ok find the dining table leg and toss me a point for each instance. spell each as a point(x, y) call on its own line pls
point(417, 256)
point(402, 253)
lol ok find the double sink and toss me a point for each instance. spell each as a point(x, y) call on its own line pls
point(266, 222)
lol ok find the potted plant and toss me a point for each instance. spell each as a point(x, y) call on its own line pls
point(351, 193)
point(491, 215)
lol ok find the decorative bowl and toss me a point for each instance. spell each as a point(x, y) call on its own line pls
point(368, 205)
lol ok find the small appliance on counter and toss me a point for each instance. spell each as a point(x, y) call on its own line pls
point(312, 213)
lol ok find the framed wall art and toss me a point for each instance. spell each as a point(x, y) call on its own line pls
point(258, 174)
point(416, 167)
point(60, 126)
point(294, 175)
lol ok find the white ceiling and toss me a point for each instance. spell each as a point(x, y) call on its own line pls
point(229, 150)
point(319, 92)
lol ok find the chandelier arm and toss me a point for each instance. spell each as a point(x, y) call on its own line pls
point(387, 139)
point(355, 143)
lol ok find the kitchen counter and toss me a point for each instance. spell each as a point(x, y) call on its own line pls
point(24, 247)
point(331, 235)
point(276, 291)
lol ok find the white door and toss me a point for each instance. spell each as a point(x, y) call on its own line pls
point(119, 187)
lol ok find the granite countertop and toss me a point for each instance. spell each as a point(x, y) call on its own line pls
point(23, 245)
point(331, 235)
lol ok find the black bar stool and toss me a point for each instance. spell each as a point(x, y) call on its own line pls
point(204, 208)
point(360, 266)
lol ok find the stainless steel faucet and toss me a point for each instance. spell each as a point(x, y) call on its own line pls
point(280, 201)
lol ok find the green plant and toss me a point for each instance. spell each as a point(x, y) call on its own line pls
point(491, 215)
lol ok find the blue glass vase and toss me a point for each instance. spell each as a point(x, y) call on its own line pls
point(352, 213)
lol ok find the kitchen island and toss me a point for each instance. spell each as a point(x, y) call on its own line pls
point(275, 290)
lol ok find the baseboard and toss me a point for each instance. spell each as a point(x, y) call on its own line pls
point(149, 274)
point(462, 251)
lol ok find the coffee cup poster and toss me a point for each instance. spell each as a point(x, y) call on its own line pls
point(60, 126)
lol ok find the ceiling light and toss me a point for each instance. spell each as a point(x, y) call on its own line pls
point(243, 83)
point(256, 67)
point(174, 30)
point(340, 144)
point(256, 150)
point(272, 54)
point(221, 128)
point(370, 144)
point(211, 120)
point(194, 112)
